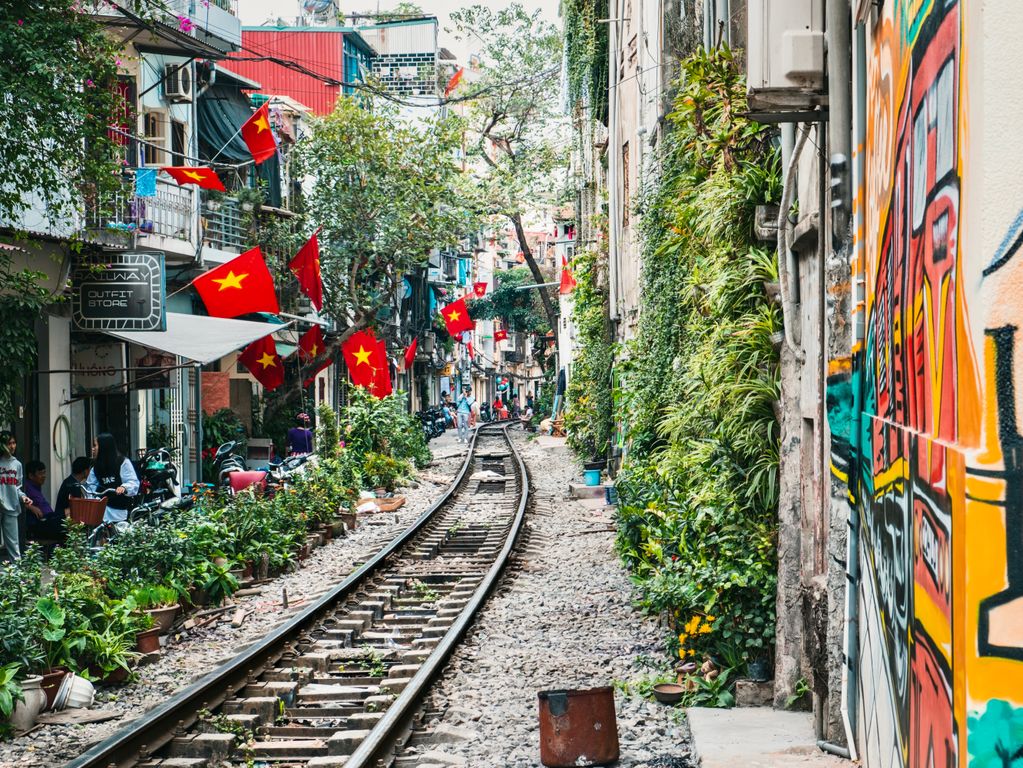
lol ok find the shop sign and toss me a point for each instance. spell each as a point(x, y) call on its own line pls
point(97, 368)
point(125, 295)
point(152, 368)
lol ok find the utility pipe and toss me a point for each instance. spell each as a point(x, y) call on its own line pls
point(789, 184)
point(851, 641)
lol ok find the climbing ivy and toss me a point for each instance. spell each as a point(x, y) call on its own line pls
point(586, 54)
point(698, 489)
point(588, 417)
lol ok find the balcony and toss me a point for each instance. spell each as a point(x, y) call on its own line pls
point(228, 226)
point(168, 217)
point(514, 350)
point(214, 22)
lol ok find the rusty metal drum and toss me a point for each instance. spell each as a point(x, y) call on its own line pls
point(578, 728)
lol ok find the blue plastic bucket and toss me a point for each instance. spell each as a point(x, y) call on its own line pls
point(591, 476)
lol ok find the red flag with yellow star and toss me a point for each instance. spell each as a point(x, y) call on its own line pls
point(381, 386)
point(201, 176)
point(258, 136)
point(311, 344)
point(361, 355)
point(312, 377)
point(263, 362)
point(500, 334)
point(240, 286)
point(306, 267)
point(456, 317)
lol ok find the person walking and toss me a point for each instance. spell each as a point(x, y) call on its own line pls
point(112, 471)
point(465, 404)
point(300, 437)
point(11, 497)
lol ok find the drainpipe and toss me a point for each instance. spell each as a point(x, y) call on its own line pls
point(784, 249)
point(851, 641)
point(613, 148)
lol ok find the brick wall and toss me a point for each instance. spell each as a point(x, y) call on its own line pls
point(216, 391)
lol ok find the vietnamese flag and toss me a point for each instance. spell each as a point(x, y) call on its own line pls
point(311, 344)
point(381, 386)
point(263, 362)
point(410, 353)
point(480, 289)
point(312, 376)
point(258, 136)
point(567, 280)
point(306, 267)
point(241, 286)
point(360, 354)
point(202, 177)
point(500, 334)
point(454, 81)
point(468, 347)
point(456, 317)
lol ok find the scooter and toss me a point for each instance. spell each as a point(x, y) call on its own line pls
point(158, 475)
point(226, 462)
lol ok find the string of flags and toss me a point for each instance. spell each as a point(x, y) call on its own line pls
point(245, 286)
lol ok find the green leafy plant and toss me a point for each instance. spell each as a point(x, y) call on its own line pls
point(10, 689)
point(220, 583)
point(693, 394)
point(383, 471)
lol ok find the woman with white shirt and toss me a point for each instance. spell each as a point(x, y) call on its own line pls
point(112, 470)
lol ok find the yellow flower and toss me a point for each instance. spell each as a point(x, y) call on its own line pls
point(705, 629)
point(682, 653)
point(710, 618)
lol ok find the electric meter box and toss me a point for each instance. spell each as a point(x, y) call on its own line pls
point(785, 54)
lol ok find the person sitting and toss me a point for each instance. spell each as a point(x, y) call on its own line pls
point(112, 472)
point(71, 487)
point(300, 437)
point(498, 408)
point(526, 417)
point(43, 523)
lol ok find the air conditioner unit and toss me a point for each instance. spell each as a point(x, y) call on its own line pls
point(177, 82)
point(785, 55)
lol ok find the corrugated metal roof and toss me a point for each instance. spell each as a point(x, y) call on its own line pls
point(408, 37)
point(319, 50)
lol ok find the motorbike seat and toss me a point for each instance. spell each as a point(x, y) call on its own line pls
point(245, 479)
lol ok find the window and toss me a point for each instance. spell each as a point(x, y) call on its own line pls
point(155, 132)
point(179, 143)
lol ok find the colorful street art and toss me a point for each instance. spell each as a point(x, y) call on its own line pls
point(924, 419)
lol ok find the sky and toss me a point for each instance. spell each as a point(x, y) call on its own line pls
point(255, 12)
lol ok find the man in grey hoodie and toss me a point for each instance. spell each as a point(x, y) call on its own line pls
point(11, 497)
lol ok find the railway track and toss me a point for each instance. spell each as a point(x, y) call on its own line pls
point(340, 683)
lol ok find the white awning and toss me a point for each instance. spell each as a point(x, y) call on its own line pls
point(200, 338)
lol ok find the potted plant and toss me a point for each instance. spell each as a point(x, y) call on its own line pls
point(110, 652)
point(58, 646)
point(159, 602)
point(220, 583)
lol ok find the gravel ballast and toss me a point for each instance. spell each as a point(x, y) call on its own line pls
point(195, 653)
point(562, 618)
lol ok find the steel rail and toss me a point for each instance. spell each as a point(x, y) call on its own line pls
point(397, 717)
point(155, 728)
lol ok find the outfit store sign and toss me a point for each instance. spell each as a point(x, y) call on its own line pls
point(127, 294)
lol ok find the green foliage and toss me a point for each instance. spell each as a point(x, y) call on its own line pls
point(22, 297)
point(10, 690)
point(588, 416)
point(56, 142)
point(383, 425)
point(387, 192)
point(586, 54)
point(328, 438)
point(698, 490)
point(219, 427)
point(520, 310)
point(383, 471)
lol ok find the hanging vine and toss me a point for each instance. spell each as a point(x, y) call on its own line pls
point(586, 55)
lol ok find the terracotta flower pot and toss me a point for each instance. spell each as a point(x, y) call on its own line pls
point(163, 618)
point(148, 641)
point(51, 684)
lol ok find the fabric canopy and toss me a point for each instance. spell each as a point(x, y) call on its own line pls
point(221, 111)
point(200, 338)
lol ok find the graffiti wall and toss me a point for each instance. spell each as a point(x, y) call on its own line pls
point(933, 451)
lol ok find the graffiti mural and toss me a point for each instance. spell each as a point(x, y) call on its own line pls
point(927, 408)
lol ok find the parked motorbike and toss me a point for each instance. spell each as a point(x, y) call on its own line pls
point(225, 462)
point(433, 421)
point(158, 476)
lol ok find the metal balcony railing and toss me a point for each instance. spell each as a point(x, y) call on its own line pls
point(169, 213)
point(224, 226)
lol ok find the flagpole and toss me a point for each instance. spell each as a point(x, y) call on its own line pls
point(233, 137)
